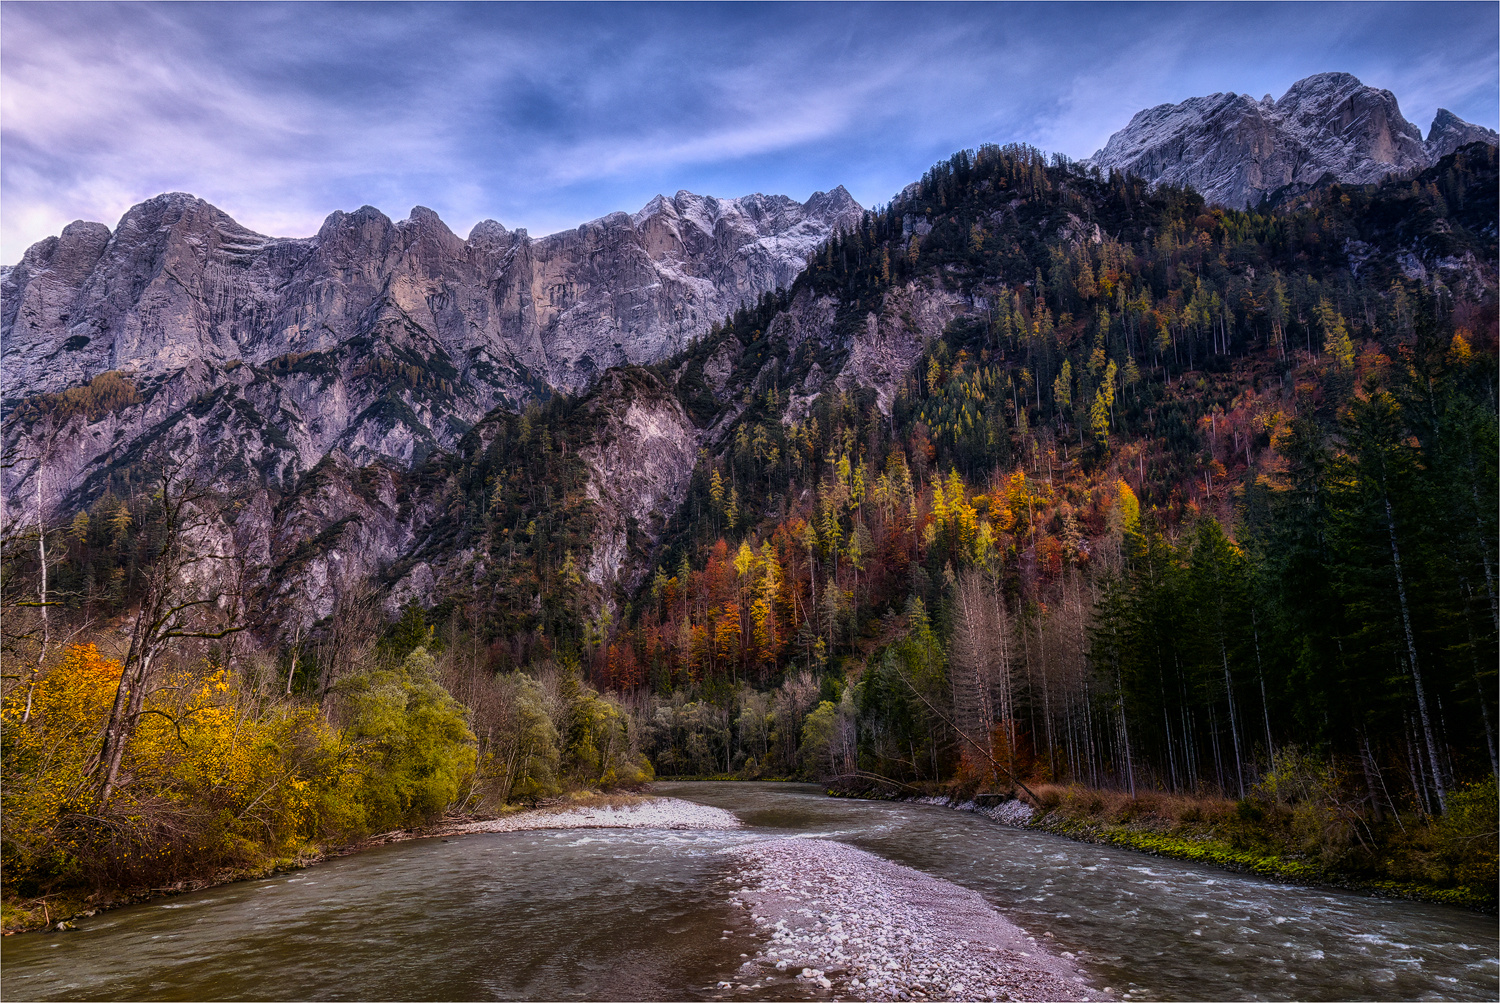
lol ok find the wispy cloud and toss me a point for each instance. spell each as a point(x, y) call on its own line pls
point(544, 116)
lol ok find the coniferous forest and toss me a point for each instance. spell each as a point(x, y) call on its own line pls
point(1184, 532)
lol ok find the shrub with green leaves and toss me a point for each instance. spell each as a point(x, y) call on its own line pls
point(423, 750)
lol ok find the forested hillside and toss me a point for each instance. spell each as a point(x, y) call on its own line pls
point(1182, 502)
point(1186, 494)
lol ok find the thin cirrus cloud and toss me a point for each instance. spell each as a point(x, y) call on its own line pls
point(545, 116)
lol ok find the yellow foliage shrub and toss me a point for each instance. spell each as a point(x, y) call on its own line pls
point(104, 394)
point(210, 779)
point(43, 755)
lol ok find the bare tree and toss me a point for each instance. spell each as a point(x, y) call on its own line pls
point(983, 750)
point(976, 651)
point(186, 592)
point(41, 595)
point(356, 620)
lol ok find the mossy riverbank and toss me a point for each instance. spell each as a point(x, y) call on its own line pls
point(1277, 867)
point(59, 910)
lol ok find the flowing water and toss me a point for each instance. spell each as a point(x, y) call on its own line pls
point(644, 914)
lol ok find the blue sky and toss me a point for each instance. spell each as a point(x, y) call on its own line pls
point(546, 116)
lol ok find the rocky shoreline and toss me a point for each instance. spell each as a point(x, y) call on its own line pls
point(856, 925)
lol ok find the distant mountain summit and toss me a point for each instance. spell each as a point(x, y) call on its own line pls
point(1235, 150)
point(1449, 132)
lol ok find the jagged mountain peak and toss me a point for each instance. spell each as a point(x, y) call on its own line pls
point(1320, 85)
point(830, 203)
point(182, 213)
point(169, 200)
point(423, 224)
point(1339, 104)
point(1236, 150)
point(489, 233)
point(421, 215)
point(766, 213)
point(341, 221)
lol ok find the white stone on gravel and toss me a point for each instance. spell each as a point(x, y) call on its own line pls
point(1014, 812)
point(657, 813)
point(857, 924)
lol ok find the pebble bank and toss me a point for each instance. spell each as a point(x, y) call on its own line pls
point(657, 813)
point(858, 926)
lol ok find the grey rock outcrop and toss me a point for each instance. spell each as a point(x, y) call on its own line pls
point(640, 464)
point(1235, 150)
point(874, 350)
point(890, 342)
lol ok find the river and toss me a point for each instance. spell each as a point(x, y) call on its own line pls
point(646, 914)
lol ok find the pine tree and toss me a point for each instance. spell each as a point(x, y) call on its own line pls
point(1062, 387)
point(1099, 418)
point(732, 509)
point(716, 490)
point(1336, 339)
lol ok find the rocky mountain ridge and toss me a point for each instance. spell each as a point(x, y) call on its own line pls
point(307, 381)
point(380, 340)
point(1236, 150)
point(179, 280)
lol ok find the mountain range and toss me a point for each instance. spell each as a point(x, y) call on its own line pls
point(317, 384)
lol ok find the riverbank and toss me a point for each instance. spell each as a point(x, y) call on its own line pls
point(1238, 836)
point(853, 923)
point(61, 910)
point(580, 811)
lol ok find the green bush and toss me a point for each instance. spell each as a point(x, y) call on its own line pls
point(419, 746)
point(1467, 835)
point(532, 751)
point(599, 751)
point(817, 734)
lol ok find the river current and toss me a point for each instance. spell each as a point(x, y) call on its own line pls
point(645, 914)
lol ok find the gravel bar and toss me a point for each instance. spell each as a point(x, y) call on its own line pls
point(858, 926)
point(657, 813)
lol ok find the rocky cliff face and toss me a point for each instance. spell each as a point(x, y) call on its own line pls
point(807, 350)
point(640, 464)
point(1235, 149)
point(889, 343)
point(382, 340)
point(180, 281)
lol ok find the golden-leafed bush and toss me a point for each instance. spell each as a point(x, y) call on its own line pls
point(209, 779)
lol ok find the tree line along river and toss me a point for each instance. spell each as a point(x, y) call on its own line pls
point(651, 913)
